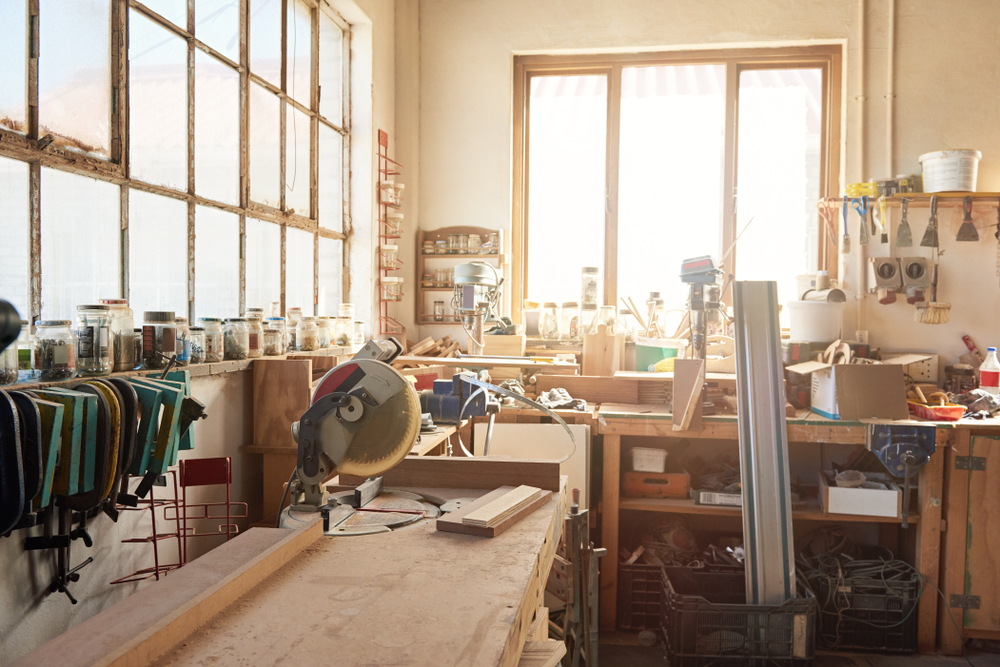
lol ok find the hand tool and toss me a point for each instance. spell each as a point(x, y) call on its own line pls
point(30, 422)
point(845, 242)
point(883, 220)
point(930, 239)
point(861, 206)
point(904, 237)
point(967, 233)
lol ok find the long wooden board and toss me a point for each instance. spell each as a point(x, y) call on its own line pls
point(452, 522)
point(499, 508)
point(467, 473)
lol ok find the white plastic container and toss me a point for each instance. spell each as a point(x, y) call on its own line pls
point(951, 170)
point(645, 459)
point(815, 321)
point(989, 372)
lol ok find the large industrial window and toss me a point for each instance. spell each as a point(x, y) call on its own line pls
point(187, 155)
point(634, 163)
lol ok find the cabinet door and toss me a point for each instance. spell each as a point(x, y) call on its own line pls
point(982, 558)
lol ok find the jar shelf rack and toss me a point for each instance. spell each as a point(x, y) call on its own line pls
point(424, 306)
point(388, 232)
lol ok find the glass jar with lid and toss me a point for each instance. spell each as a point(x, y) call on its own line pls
point(475, 241)
point(463, 244)
point(608, 315)
point(214, 350)
point(55, 350)
point(439, 311)
point(292, 318)
point(324, 329)
point(255, 318)
point(343, 331)
point(236, 339)
point(440, 247)
point(453, 244)
point(589, 278)
point(548, 325)
point(159, 338)
point(392, 288)
point(307, 334)
point(569, 322)
point(197, 337)
point(387, 256)
point(588, 318)
point(93, 356)
point(274, 336)
point(137, 345)
point(346, 310)
point(24, 349)
point(8, 365)
point(120, 332)
point(183, 333)
point(359, 332)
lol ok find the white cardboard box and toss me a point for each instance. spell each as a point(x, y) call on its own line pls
point(879, 496)
point(859, 391)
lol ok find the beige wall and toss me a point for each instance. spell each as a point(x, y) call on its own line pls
point(946, 78)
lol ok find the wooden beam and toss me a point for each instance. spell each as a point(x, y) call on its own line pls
point(609, 530)
point(956, 510)
point(467, 473)
point(928, 544)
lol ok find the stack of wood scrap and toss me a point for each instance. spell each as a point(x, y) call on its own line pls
point(429, 347)
point(495, 512)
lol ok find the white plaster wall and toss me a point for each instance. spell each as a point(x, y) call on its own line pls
point(947, 78)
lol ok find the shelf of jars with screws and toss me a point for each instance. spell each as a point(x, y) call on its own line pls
point(390, 193)
point(465, 245)
point(389, 257)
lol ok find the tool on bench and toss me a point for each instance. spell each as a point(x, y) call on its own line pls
point(903, 450)
point(967, 232)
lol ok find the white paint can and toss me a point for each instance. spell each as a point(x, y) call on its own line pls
point(950, 170)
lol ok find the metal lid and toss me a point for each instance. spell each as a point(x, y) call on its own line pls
point(309, 318)
point(550, 304)
point(296, 308)
point(93, 306)
point(197, 329)
point(255, 310)
point(570, 304)
point(276, 319)
point(52, 323)
point(590, 306)
point(114, 302)
point(236, 319)
point(158, 316)
point(591, 269)
point(180, 320)
point(209, 319)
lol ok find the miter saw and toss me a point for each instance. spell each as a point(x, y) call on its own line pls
point(363, 420)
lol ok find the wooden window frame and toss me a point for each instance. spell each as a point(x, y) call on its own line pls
point(828, 58)
point(116, 169)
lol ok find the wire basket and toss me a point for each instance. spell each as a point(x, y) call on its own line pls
point(640, 588)
point(706, 621)
point(869, 614)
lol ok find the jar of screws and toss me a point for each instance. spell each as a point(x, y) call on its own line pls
point(236, 337)
point(93, 352)
point(8, 365)
point(120, 331)
point(275, 337)
point(159, 338)
point(55, 350)
point(197, 338)
point(213, 338)
point(307, 334)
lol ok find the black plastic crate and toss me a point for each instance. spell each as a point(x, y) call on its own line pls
point(868, 614)
point(706, 622)
point(640, 588)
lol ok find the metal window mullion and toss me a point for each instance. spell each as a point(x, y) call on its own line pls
point(35, 235)
point(284, 236)
point(243, 263)
point(315, 274)
point(244, 103)
point(191, 207)
point(123, 277)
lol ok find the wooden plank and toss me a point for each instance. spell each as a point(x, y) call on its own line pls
point(721, 380)
point(603, 352)
point(546, 653)
point(467, 473)
point(499, 508)
point(539, 631)
point(452, 522)
point(154, 619)
point(280, 396)
point(689, 379)
point(591, 389)
point(609, 530)
point(466, 362)
point(956, 509)
point(982, 561)
point(928, 544)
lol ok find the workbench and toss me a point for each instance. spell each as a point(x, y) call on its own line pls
point(414, 596)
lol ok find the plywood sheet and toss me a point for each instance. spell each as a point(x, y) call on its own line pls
point(982, 572)
point(453, 522)
point(281, 395)
point(500, 508)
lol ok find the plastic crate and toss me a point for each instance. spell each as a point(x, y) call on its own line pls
point(640, 588)
point(874, 615)
point(706, 621)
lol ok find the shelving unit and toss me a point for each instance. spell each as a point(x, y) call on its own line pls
point(426, 263)
point(387, 233)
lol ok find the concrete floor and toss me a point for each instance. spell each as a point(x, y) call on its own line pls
point(622, 654)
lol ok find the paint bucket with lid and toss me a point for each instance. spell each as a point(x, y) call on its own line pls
point(950, 170)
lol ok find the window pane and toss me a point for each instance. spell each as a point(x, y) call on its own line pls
point(74, 74)
point(331, 178)
point(263, 263)
point(331, 263)
point(670, 175)
point(80, 242)
point(14, 228)
point(217, 24)
point(565, 183)
point(297, 161)
point(299, 263)
point(331, 69)
point(216, 129)
point(158, 104)
point(780, 116)
point(174, 11)
point(13, 55)
point(216, 263)
point(265, 135)
point(157, 236)
point(265, 39)
point(299, 43)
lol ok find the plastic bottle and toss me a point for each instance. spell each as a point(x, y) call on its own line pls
point(989, 372)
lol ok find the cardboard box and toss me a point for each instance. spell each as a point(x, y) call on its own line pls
point(859, 391)
point(702, 497)
point(879, 496)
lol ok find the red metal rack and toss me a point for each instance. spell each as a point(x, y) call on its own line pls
point(388, 232)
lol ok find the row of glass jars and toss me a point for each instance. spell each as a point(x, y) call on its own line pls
point(104, 341)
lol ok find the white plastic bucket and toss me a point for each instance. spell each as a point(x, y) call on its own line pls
point(951, 170)
point(815, 321)
point(645, 459)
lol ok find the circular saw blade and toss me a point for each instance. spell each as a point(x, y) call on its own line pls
point(386, 439)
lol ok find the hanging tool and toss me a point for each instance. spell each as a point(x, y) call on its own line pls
point(845, 242)
point(861, 206)
point(904, 237)
point(930, 239)
point(967, 233)
point(933, 311)
point(883, 220)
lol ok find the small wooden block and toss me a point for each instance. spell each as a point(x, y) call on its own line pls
point(689, 380)
point(499, 509)
point(452, 522)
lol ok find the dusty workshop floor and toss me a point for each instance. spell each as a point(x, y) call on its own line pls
point(620, 650)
